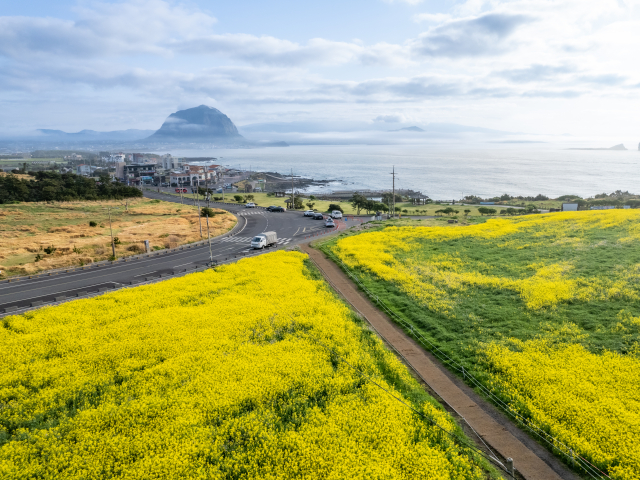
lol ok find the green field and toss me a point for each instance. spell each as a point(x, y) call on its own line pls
point(544, 309)
point(20, 161)
point(264, 200)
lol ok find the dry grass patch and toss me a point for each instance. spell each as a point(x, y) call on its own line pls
point(28, 230)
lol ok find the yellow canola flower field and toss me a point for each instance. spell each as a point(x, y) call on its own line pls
point(544, 285)
point(545, 307)
point(232, 373)
point(591, 402)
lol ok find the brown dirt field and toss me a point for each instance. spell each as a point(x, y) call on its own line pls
point(19, 175)
point(27, 229)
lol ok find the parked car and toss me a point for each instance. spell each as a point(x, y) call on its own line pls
point(329, 223)
point(318, 216)
point(336, 214)
point(250, 205)
point(265, 239)
point(309, 213)
point(165, 184)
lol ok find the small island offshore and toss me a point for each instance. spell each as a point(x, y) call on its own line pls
point(615, 147)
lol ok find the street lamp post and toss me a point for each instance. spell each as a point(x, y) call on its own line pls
point(199, 214)
point(209, 237)
point(113, 245)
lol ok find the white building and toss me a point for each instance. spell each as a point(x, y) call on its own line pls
point(85, 170)
point(183, 179)
point(170, 163)
point(117, 157)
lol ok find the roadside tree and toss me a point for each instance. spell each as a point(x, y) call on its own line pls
point(358, 201)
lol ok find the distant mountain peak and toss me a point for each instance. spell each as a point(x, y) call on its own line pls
point(201, 123)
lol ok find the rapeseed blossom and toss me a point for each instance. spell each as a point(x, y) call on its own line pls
point(232, 373)
point(562, 379)
point(589, 401)
point(389, 255)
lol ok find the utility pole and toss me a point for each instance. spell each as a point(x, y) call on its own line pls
point(393, 173)
point(293, 200)
point(199, 215)
point(209, 237)
point(113, 245)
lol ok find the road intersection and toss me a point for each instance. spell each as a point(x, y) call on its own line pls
point(292, 228)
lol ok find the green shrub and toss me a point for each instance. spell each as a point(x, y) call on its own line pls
point(207, 212)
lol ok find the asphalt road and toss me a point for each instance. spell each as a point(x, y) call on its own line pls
point(291, 227)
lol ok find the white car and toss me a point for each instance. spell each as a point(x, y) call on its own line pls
point(336, 214)
point(309, 213)
point(329, 223)
point(250, 205)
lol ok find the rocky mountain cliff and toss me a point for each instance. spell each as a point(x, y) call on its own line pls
point(199, 124)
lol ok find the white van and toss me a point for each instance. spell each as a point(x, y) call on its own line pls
point(336, 214)
point(265, 239)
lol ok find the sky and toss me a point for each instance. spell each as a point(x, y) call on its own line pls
point(553, 67)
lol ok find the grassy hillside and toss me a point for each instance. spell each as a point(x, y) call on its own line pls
point(212, 376)
point(543, 308)
point(27, 229)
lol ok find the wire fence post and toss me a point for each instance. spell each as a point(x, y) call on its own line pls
point(510, 469)
point(552, 441)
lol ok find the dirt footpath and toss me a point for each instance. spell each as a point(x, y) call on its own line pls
point(492, 427)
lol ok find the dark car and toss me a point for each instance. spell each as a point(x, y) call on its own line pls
point(277, 209)
point(318, 216)
point(270, 208)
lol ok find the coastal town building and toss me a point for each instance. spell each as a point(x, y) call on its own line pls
point(139, 173)
point(85, 170)
point(169, 162)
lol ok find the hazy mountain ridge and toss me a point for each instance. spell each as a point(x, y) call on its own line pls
point(88, 135)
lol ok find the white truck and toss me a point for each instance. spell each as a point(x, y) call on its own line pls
point(265, 239)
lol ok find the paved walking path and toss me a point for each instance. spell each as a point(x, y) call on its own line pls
point(526, 462)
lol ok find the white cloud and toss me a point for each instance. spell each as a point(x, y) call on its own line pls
point(133, 27)
point(389, 118)
point(165, 53)
point(482, 35)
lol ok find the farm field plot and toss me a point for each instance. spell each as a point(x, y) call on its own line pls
point(212, 376)
point(544, 309)
point(27, 230)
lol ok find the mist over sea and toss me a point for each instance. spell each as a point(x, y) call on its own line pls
point(446, 171)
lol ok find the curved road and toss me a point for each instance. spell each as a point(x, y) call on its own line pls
point(291, 227)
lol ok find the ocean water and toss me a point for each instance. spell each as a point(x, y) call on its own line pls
point(447, 171)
